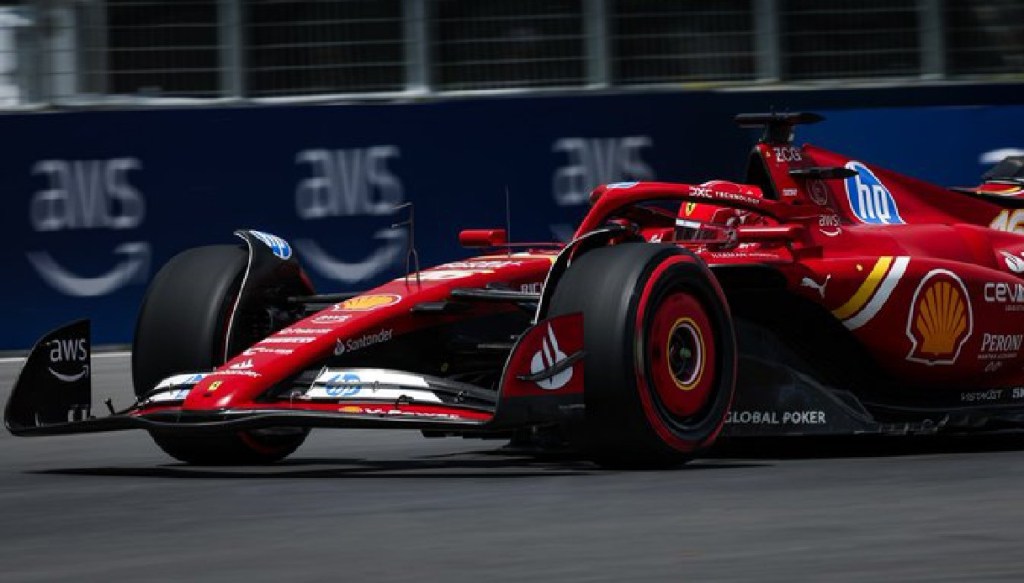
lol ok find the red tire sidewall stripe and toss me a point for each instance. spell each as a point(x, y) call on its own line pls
point(643, 388)
point(681, 311)
point(251, 442)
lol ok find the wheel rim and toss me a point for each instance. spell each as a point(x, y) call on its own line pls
point(681, 355)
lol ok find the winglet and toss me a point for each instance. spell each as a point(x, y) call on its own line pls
point(55, 383)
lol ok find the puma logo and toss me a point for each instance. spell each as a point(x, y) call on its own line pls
point(819, 287)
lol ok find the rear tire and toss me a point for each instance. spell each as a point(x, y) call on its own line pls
point(660, 365)
point(182, 327)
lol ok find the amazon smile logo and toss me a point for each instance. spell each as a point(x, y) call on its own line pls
point(68, 353)
point(392, 246)
point(354, 182)
point(89, 195)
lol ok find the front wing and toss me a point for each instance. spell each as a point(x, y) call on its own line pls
point(52, 396)
point(774, 397)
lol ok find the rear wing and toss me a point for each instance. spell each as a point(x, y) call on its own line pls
point(778, 127)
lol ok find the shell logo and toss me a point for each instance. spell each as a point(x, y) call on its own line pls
point(367, 303)
point(941, 319)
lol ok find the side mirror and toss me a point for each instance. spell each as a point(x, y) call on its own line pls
point(483, 237)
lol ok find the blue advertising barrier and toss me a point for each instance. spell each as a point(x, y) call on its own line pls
point(95, 202)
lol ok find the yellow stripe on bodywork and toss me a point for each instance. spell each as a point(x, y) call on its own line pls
point(863, 293)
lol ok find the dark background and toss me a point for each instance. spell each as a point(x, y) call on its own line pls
point(207, 171)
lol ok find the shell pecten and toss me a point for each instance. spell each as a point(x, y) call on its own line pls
point(941, 318)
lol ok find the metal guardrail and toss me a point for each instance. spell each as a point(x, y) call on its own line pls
point(97, 52)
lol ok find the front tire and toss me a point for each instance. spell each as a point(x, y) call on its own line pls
point(182, 327)
point(660, 365)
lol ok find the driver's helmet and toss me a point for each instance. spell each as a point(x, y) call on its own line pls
point(693, 218)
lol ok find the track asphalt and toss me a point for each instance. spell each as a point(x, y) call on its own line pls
point(393, 506)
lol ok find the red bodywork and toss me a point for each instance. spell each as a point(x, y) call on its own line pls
point(931, 297)
point(925, 281)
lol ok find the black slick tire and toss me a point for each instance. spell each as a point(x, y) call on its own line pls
point(645, 305)
point(182, 327)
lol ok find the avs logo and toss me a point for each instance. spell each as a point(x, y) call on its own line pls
point(940, 320)
point(549, 355)
point(73, 351)
point(348, 185)
point(870, 200)
point(585, 162)
point(278, 246)
point(89, 195)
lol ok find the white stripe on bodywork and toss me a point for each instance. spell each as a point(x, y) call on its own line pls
point(881, 296)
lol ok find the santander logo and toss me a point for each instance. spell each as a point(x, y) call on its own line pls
point(545, 358)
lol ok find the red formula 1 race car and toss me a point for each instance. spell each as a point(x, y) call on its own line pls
point(822, 296)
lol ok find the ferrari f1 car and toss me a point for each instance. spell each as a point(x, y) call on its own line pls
point(822, 295)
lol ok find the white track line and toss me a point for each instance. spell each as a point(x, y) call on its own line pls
point(119, 354)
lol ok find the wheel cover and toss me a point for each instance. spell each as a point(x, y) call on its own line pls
point(681, 355)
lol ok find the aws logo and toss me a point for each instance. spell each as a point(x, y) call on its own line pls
point(941, 319)
point(354, 182)
point(870, 200)
point(69, 354)
point(89, 195)
point(585, 162)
